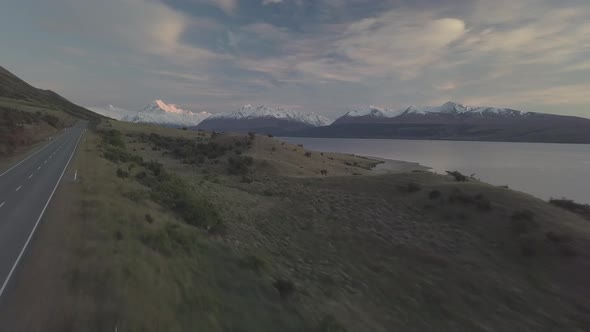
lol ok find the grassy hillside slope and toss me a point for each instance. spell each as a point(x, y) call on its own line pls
point(183, 231)
point(12, 87)
point(29, 115)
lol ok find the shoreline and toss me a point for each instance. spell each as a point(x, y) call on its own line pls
point(397, 166)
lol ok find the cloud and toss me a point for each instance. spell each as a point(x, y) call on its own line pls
point(329, 53)
point(227, 5)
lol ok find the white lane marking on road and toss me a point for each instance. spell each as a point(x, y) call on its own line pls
point(22, 161)
point(38, 168)
point(75, 175)
point(30, 176)
point(1, 205)
point(45, 162)
point(20, 255)
point(17, 189)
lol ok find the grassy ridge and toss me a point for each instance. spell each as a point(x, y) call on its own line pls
point(12, 87)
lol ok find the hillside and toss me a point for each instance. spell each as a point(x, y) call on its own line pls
point(12, 87)
point(181, 230)
point(29, 116)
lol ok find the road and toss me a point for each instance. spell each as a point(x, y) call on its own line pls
point(26, 190)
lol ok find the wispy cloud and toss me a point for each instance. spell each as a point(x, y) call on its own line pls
point(322, 54)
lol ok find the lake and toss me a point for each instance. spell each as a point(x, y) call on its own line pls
point(541, 169)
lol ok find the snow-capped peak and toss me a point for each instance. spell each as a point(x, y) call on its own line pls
point(158, 106)
point(456, 108)
point(158, 112)
point(264, 112)
point(373, 111)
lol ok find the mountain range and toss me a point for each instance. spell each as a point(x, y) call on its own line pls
point(454, 121)
point(263, 119)
point(449, 121)
point(157, 112)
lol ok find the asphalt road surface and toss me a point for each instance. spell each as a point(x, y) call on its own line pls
point(26, 190)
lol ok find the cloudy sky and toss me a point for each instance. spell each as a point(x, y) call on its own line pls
point(313, 55)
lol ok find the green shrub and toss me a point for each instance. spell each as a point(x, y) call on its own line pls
point(410, 187)
point(285, 287)
point(458, 176)
point(254, 262)
point(169, 240)
point(239, 165)
point(479, 201)
point(570, 205)
point(122, 174)
point(113, 137)
point(434, 194)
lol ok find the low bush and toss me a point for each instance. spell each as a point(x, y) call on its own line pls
point(434, 194)
point(239, 165)
point(458, 176)
point(410, 187)
point(169, 240)
point(122, 174)
point(254, 262)
point(285, 287)
point(113, 137)
point(308, 154)
point(479, 201)
point(570, 205)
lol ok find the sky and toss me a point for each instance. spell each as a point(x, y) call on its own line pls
point(322, 56)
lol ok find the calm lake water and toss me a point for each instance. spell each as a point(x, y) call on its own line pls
point(544, 170)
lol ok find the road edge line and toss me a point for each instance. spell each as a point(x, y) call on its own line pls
point(38, 220)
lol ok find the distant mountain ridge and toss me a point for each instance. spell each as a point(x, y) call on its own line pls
point(157, 112)
point(447, 110)
point(454, 121)
point(263, 119)
point(160, 113)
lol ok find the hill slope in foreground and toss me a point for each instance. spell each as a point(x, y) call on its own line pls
point(172, 230)
point(29, 115)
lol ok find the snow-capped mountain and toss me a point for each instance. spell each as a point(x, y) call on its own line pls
point(158, 112)
point(371, 112)
point(448, 111)
point(454, 121)
point(112, 112)
point(455, 108)
point(264, 112)
point(263, 119)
